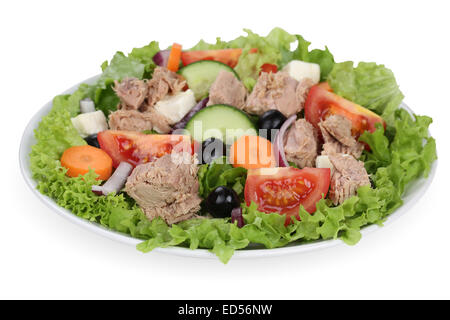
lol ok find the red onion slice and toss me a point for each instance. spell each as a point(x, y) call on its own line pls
point(236, 215)
point(116, 182)
point(279, 142)
point(182, 123)
point(98, 190)
point(161, 58)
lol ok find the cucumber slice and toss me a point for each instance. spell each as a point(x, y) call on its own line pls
point(220, 121)
point(200, 75)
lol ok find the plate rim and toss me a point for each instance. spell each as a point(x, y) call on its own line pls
point(27, 140)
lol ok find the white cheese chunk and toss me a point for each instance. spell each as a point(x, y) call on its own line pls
point(300, 70)
point(176, 107)
point(90, 123)
point(87, 105)
point(324, 162)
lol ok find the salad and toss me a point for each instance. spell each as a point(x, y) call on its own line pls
point(233, 144)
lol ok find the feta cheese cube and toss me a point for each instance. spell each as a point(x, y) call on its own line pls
point(299, 70)
point(174, 108)
point(90, 123)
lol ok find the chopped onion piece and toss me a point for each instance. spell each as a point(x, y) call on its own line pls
point(98, 190)
point(236, 215)
point(116, 182)
point(161, 58)
point(279, 142)
point(87, 105)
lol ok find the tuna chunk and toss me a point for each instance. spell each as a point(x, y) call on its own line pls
point(337, 135)
point(132, 120)
point(226, 89)
point(166, 188)
point(277, 91)
point(348, 175)
point(300, 144)
point(136, 111)
point(131, 92)
point(164, 82)
point(303, 89)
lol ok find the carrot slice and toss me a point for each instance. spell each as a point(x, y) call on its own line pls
point(252, 152)
point(80, 159)
point(174, 58)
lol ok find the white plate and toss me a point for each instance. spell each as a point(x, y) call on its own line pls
point(411, 196)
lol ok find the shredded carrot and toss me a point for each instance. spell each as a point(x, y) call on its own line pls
point(174, 58)
point(80, 159)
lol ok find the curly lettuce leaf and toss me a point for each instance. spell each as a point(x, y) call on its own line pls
point(55, 132)
point(409, 155)
point(369, 84)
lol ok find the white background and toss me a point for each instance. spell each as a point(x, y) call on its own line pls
point(46, 47)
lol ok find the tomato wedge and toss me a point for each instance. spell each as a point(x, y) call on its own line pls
point(283, 190)
point(268, 67)
point(227, 56)
point(136, 148)
point(322, 102)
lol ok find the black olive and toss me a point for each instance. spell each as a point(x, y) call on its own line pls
point(271, 120)
point(221, 201)
point(212, 148)
point(92, 140)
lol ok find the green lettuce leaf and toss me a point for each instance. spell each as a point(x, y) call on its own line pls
point(202, 45)
point(323, 58)
point(220, 173)
point(270, 50)
point(275, 48)
point(145, 55)
point(369, 84)
point(410, 154)
point(55, 134)
point(138, 64)
point(120, 67)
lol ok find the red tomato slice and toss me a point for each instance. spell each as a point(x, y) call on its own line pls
point(136, 148)
point(283, 190)
point(227, 56)
point(268, 67)
point(322, 102)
